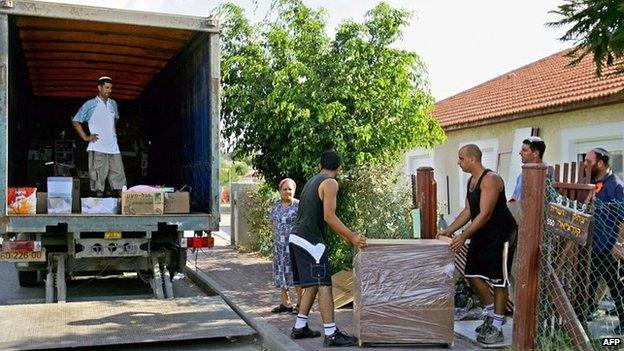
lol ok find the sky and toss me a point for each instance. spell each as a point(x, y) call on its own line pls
point(463, 43)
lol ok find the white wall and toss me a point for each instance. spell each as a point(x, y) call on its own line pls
point(566, 134)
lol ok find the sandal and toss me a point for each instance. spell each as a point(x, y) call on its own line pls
point(281, 308)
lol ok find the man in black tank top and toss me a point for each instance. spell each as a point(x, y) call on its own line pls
point(308, 254)
point(489, 256)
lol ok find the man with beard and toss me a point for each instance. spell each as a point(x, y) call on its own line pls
point(489, 256)
point(606, 245)
point(104, 157)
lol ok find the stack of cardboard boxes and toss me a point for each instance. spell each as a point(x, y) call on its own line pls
point(63, 197)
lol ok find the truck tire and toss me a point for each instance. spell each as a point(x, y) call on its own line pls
point(27, 278)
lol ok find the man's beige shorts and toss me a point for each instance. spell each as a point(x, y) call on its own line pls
point(103, 165)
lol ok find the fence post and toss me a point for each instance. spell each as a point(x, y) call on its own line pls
point(233, 216)
point(433, 208)
point(428, 201)
point(529, 239)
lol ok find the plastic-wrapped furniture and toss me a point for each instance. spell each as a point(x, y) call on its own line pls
point(404, 292)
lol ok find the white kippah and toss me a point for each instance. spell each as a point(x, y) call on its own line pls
point(104, 77)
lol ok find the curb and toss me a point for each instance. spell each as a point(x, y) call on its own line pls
point(272, 337)
point(222, 235)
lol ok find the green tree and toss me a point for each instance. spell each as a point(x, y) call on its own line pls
point(597, 27)
point(290, 91)
point(231, 171)
point(240, 168)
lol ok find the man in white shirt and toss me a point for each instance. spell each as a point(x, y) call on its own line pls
point(104, 157)
point(532, 151)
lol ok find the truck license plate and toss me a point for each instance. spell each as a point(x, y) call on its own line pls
point(112, 235)
point(26, 256)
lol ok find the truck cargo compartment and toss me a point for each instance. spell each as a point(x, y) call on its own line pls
point(166, 84)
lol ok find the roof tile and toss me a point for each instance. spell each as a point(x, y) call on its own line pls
point(547, 83)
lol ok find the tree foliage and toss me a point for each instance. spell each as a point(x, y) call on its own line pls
point(290, 91)
point(597, 27)
point(374, 200)
point(231, 171)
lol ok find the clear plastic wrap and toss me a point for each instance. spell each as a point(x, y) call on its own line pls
point(404, 292)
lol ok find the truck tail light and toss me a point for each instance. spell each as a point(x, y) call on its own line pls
point(21, 246)
point(197, 242)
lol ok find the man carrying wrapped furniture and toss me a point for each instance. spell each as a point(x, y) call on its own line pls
point(310, 264)
point(489, 256)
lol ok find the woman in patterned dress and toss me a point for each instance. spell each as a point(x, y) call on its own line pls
point(283, 215)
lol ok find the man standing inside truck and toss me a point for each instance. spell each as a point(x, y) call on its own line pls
point(104, 157)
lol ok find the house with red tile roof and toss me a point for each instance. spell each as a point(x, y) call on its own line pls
point(569, 107)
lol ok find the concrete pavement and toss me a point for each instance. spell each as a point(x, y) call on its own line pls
point(245, 281)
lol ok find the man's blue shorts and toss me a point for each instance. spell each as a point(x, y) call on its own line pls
point(306, 272)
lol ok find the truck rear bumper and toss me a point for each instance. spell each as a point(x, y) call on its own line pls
point(89, 223)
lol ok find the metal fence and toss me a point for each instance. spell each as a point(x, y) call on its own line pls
point(581, 293)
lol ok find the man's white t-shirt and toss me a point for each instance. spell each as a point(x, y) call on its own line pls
point(102, 123)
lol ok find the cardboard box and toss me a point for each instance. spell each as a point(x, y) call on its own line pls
point(342, 288)
point(42, 203)
point(178, 202)
point(22, 201)
point(96, 205)
point(59, 205)
point(138, 203)
point(404, 292)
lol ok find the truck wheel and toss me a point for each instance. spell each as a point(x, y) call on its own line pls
point(27, 278)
